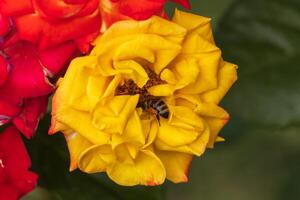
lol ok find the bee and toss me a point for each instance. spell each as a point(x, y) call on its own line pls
point(155, 106)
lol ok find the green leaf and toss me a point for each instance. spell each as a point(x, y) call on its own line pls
point(40, 193)
point(262, 37)
point(210, 8)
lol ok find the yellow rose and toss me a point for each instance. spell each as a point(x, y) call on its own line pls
point(105, 108)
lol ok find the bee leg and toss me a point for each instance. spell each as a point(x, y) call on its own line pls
point(158, 119)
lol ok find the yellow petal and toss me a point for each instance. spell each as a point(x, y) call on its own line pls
point(185, 117)
point(220, 139)
point(152, 133)
point(146, 169)
point(197, 147)
point(215, 125)
point(76, 76)
point(175, 135)
point(133, 132)
point(162, 90)
point(209, 57)
point(96, 159)
point(132, 70)
point(113, 116)
point(81, 123)
point(177, 165)
point(133, 49)
point(211, 110)
point(187, 71)
point(167, 29)
point(227, 76)
point(168, 76)
point(154, 25)
point(194, 24)
point(122, 28)
point(76, 145)
point(96, 87)
point(57, 126)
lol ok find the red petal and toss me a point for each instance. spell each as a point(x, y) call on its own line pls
point(55, 10)
point(55, 59)
point(30, 27)
point(13, 149)
point(24, 181)
point(15, 7)
point(90, 7)
point(8, 192)
point(27, 78)
point(84, 43)
point(33, 110)
point(184, 3)
point(54, 34)
point(15, 163)
point(4, 69)
point(8, 108)
point(4, 25)
point(140, 10)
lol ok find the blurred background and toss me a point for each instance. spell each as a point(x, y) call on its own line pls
point(260, 159)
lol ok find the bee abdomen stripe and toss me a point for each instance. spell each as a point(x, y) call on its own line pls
point(162, 107)
point(163, 111)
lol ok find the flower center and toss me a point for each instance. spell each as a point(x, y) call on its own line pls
point(129, 87)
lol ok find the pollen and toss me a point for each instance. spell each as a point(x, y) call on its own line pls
point(129, 87)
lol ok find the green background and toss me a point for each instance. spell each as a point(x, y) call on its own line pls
point(261, 156)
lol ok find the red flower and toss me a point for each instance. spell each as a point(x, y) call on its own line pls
point(15, 179)
point(25, 82)
point(52, 22)
point(115, 10)
point(37, 39)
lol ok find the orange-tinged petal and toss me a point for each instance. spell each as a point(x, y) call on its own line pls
point(76, 145)
point(146, 169)
point(177, 165)
point(215, 124)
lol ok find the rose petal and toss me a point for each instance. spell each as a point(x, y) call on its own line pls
point(27, 77)
point(184, 3)
point(16, 162)
point(55, 59)
point(4, 25)
point(33, 110)
point(146, 169)
point(9, 107)
point(177, 165)
point(56, 10)
point(8, 192)
point(4, 69)
point(15, 7)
